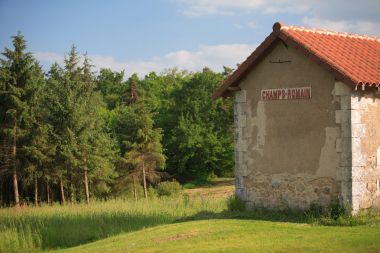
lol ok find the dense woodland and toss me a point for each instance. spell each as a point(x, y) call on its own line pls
point(70, 134)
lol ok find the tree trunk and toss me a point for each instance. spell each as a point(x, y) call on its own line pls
point(63, 202)
point(14, 174)
point(71, 193)
point(48, 191)
point(134, 189)
point(1, 194)
point(51, 197)
point(35, 190)
point(144, 177)
point(86, 186)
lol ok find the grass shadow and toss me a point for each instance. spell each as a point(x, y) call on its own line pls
point(67, 231)
point(366, 217)
point(264, 215)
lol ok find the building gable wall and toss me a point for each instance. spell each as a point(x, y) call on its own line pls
point(286, 151)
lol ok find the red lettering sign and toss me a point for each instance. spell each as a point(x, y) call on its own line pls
point(286, 93)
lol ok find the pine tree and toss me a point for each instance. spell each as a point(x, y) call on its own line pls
point(95, 146)
point(35, 150)
point(16, 73)
point(77, 127)
point(54, 103)
point(132, 93)
point(64, 102)
point(145, 153)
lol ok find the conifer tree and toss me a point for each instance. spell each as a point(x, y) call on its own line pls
point(96, 149)
point(145, 153)
point(17, 88)
point(77, 128)
point(54, 104)
point(64, 102)
point(132, 93)
point(34, 146)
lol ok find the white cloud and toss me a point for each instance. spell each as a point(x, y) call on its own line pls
point(252, 24)
point(196, 8)
point(219, 7)
point(286, 6)
point(249, 25)
point(357, 26)
point(238, 26)
point(342, 15)
point(212, 56)
point(335, 8)
point(49, 57)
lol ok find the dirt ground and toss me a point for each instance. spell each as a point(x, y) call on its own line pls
point(220, 188)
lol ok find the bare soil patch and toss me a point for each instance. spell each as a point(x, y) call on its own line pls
point(219, 189)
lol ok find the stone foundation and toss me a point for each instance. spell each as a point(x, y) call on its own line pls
point(295, 191)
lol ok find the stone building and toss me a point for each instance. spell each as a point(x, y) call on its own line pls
point(307, 120)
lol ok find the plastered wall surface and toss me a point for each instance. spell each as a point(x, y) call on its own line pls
point(286, 152)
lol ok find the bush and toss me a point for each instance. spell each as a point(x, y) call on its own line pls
point(189, 186)
point(335, 215)
point(152, 193)
point(334, 211)
point(169, 188)
point(235, 204)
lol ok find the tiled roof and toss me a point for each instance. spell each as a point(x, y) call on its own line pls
point(353, 59)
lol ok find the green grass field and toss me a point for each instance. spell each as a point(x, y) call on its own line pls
point(240, 236)
point(196, 222)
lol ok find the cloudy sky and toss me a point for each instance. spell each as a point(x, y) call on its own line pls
point(153, 35)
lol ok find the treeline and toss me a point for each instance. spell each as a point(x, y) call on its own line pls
point(71, 133)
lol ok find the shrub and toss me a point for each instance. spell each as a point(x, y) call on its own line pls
point(169, 188)
point(152, 193)
point(337, 210)
point(235, 204)
point(334, 215)
point(334, 211)
point(315, 211)
point(189, 186)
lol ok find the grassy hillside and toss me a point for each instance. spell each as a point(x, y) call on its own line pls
point(240, 236)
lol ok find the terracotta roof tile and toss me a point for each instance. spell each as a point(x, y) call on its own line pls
point(353, 58)
point(356, 56)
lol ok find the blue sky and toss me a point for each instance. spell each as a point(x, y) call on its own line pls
point(143, 36)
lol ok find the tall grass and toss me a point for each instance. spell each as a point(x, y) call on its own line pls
point(33, 229)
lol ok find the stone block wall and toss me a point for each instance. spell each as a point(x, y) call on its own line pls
point(359, 144)
point(289, 190)
point(342, 94)
point(365, 133)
